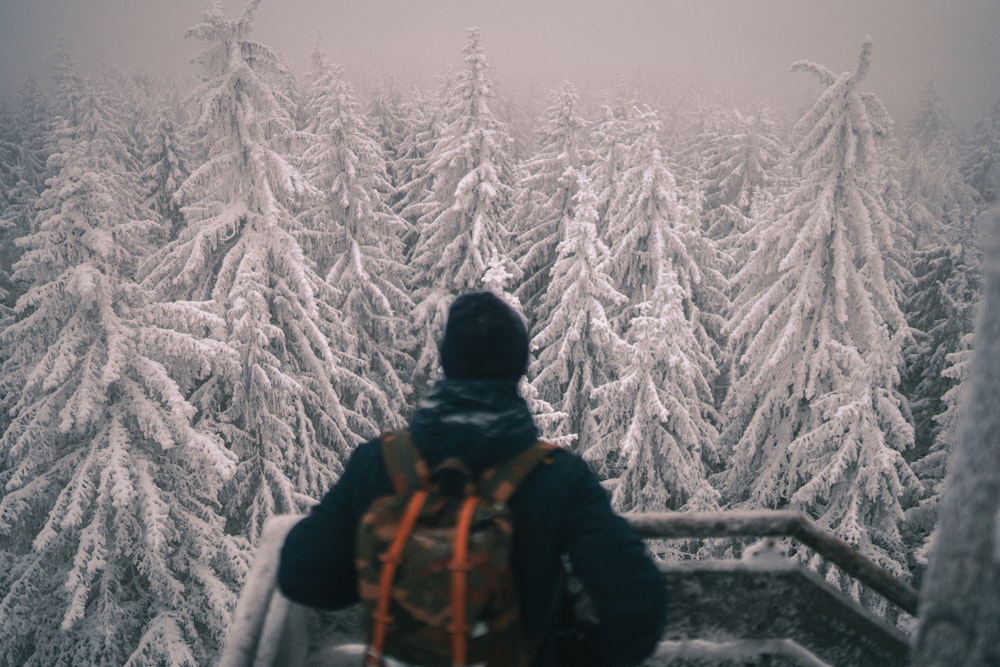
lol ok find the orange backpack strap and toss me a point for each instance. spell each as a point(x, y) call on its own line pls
point(460, 566)
point(391, 560)
point(403, 462)
point(500, 481)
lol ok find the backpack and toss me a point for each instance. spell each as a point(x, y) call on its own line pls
point(433, 567)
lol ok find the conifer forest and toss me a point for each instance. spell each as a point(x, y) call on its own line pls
point(212, 290)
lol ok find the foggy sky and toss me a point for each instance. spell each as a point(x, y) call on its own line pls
point(743, 48)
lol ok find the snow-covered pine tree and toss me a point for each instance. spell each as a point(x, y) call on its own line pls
point(940, 310)
point(981, 167)
point(939, 300)
point(650, 228)
point(609, 137)
point(32, 119)
point(462, 220)
point(656, 434)
point(346, 164)
point(920, 525)
point(114, 551)
point(165, 163)
point(575, 343)
point(472, 174)
point(423, 125)
point(814, 418)
point(959, 608)
point(25, 129)
point(9, 227)
point(740, 168)
point(238, 259)
point(939, 202)
point(386, 109)
point(545, 193)
point(516, 107)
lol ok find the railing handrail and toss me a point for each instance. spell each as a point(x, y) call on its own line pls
point(778, 523)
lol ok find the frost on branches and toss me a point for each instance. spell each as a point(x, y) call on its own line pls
point(574, 341)
point(462, 221)
point(941, 206)
point(814, 417)
point(472, 174)
point(361, 241)
point(545, 193)
point(742, 161)
point(959, 608)
point(108, 517)
point(649, 228)
point(658, 412)
point(981, 167)
point(24, 131)
point(921, 526)
point(238, 259)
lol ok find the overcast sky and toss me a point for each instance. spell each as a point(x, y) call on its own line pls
point(743, 48)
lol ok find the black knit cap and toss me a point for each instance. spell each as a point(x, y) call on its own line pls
point(484, 339)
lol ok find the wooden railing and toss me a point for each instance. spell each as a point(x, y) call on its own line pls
point(779, 523)
point(268, 630)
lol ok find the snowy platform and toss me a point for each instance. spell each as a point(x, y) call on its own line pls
point(756, 605)
point(765, 610)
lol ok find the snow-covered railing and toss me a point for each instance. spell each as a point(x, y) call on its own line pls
point(779, 523)
point(270, 631)
point(263, 626)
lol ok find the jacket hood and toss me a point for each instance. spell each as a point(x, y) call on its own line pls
point(481, 422)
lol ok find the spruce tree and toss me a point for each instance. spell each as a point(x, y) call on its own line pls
point(649, 228)
point(462, 221)
point(940, 299)
point(238, 259)
point(10, 218)
point(741, 168)
point(422, 120)
point(814, 418)
point(921, 526)
point(107, 510)
point(981, 167)
point(959, 609)
point(545, 193)
point(386, 110)
point(657, 414)
point(346, 164)
point(940, 311)
point(165, 162)
point(575, 342)
point(609, 137)
point(941, 206)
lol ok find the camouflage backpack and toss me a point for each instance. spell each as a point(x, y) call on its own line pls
point(434, 568)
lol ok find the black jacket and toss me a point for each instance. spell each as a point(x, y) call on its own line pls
point(560, 509)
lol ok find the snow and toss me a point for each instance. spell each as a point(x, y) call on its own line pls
point(210, 296)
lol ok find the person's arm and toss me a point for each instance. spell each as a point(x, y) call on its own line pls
point(317, 559)
point(627, 589)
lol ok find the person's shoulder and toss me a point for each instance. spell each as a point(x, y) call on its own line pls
point(364, 457)
point(364, 464)
point(363, 478)
point(568, 461)
point(564, 470)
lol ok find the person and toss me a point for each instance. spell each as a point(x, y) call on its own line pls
point(560, 512)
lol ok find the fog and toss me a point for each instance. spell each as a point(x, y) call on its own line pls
point(741, 48)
